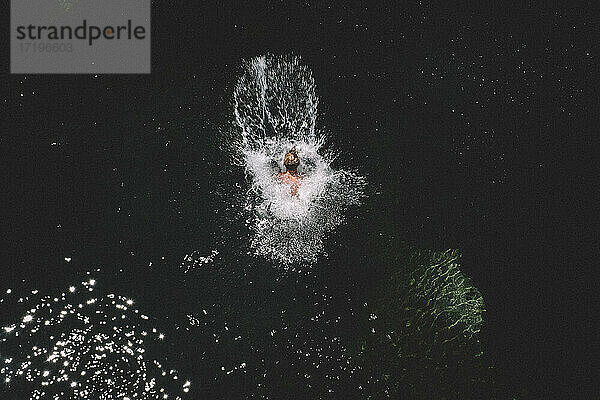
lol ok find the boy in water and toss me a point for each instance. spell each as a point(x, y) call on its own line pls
point(291, 176)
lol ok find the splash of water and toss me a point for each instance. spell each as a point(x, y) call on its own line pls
point(275, 108)
point(81, 345)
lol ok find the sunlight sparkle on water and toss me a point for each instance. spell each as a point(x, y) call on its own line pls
point(100, 340)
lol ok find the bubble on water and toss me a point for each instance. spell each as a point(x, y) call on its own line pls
point(275, 108)
point(84, 345)
point(195, 260)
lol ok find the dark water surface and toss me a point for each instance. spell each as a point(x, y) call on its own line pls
point(126, 174)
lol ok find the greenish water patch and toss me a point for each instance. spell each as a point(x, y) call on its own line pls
point(424, 332)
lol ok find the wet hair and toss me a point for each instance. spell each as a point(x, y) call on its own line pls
point(291, 160)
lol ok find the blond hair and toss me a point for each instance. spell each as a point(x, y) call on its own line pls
point(291, 160)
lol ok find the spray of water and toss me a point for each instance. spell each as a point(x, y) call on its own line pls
point(275, 108)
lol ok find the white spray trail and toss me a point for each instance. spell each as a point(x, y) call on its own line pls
point(275, 108)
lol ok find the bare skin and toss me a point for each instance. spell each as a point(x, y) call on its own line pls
point(292, 178)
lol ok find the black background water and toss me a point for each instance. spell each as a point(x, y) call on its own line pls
point(472, 125)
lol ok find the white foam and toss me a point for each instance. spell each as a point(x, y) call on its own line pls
point(275, 110)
